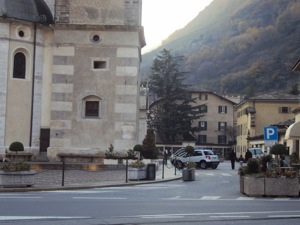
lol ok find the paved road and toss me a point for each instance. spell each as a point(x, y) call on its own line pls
point(213, 198)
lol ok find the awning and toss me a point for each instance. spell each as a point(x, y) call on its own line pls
point(293, 132)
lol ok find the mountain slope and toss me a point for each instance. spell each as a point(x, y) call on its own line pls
point(238, 46)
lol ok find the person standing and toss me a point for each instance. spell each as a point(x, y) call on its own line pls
point(232, 157)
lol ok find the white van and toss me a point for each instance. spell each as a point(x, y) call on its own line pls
point(256, 152)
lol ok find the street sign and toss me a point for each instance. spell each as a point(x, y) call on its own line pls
point(270, 133)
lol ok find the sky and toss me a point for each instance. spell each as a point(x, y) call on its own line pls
point(161, 18)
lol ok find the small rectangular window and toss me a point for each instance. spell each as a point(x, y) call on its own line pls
point(202, 139)
point(203, 97)
point(92, 108)
point(203, 109)
point(222, 109)
point(222, 126)
point(284, 109)
point(203, 125)
point(222, 139)
point(100, 64)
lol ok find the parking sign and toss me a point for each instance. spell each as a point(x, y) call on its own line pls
point(270, 133)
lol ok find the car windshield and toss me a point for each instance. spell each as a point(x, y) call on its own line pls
point(256, 151)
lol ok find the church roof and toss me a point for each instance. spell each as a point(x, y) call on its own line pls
point(36, 11)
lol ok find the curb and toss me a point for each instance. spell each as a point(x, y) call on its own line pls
point(35, 189)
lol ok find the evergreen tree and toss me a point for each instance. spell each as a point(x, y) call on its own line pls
point(149, 150)
point(174, 112)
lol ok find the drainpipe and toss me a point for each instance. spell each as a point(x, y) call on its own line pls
point(33, 80)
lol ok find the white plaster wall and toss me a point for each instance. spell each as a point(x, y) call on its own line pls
point(4, 43)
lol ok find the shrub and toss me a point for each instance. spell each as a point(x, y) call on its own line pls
point(189, 150)
point(263, 161)
point(110, 154)
point(15, 166)
point(16, 147)
point(138, 148)
point(149, 148)
point(278, 149)
point(137, 164)
point(131, 154)
point(253, 166)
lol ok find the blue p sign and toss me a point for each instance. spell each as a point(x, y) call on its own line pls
point(270, 133)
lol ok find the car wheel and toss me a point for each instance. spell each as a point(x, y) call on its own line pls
point(214, 167)
point(179, 164)
point(203, 165)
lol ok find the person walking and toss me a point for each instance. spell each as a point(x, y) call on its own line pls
point(241, 160)
point(248, 155)
point(232, 157)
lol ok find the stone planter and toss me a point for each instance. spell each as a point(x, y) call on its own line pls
point(267, 186)
point(281, 186)
point(242, 184)
point(137, 173)
point(254, 186)
point(188, 174)
point(17, 179)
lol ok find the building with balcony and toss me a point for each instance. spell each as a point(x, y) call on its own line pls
point(255, 113)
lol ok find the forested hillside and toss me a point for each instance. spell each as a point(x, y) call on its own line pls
point(239, 46)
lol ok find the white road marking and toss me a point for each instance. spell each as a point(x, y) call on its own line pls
point(224, 214)
point(282, 199)
point(226, 174)
point(7, 218)
point(245, 198)
point(229, 216)
point(80, 191)
point(98, 198)
point(210, 197)
point(18, 197)
point(283, 216)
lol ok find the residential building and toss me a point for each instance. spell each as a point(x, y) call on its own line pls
point(69, 77)
point(254, 113)
point(217, 123)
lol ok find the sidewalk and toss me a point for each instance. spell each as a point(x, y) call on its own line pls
point(81, 179)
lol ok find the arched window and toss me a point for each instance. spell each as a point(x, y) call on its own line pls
point(91, 106)
point(19, 70)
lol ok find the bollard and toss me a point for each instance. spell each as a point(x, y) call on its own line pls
point(63, 173)
point(163, 170)
point(126, 171)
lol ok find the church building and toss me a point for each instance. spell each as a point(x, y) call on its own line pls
point(69, 75)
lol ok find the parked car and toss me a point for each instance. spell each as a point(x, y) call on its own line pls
point(256, 152)
point(204, 158)
point(175, 154)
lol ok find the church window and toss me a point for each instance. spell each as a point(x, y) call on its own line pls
point(91, 106)
point(19, 69)
point(92, 109)
point(21, 33)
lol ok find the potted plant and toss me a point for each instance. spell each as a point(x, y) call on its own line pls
point(16, 173)
point(278, 150)
point(137, 170)
point(138, 148)
point(257, 180)
point(188, 173)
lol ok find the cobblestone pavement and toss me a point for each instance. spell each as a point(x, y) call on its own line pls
point(78, 177)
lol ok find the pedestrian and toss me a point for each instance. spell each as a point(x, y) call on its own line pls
point(248, 155)
point(241, 160)
point(232, 157)
point(165, 157)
